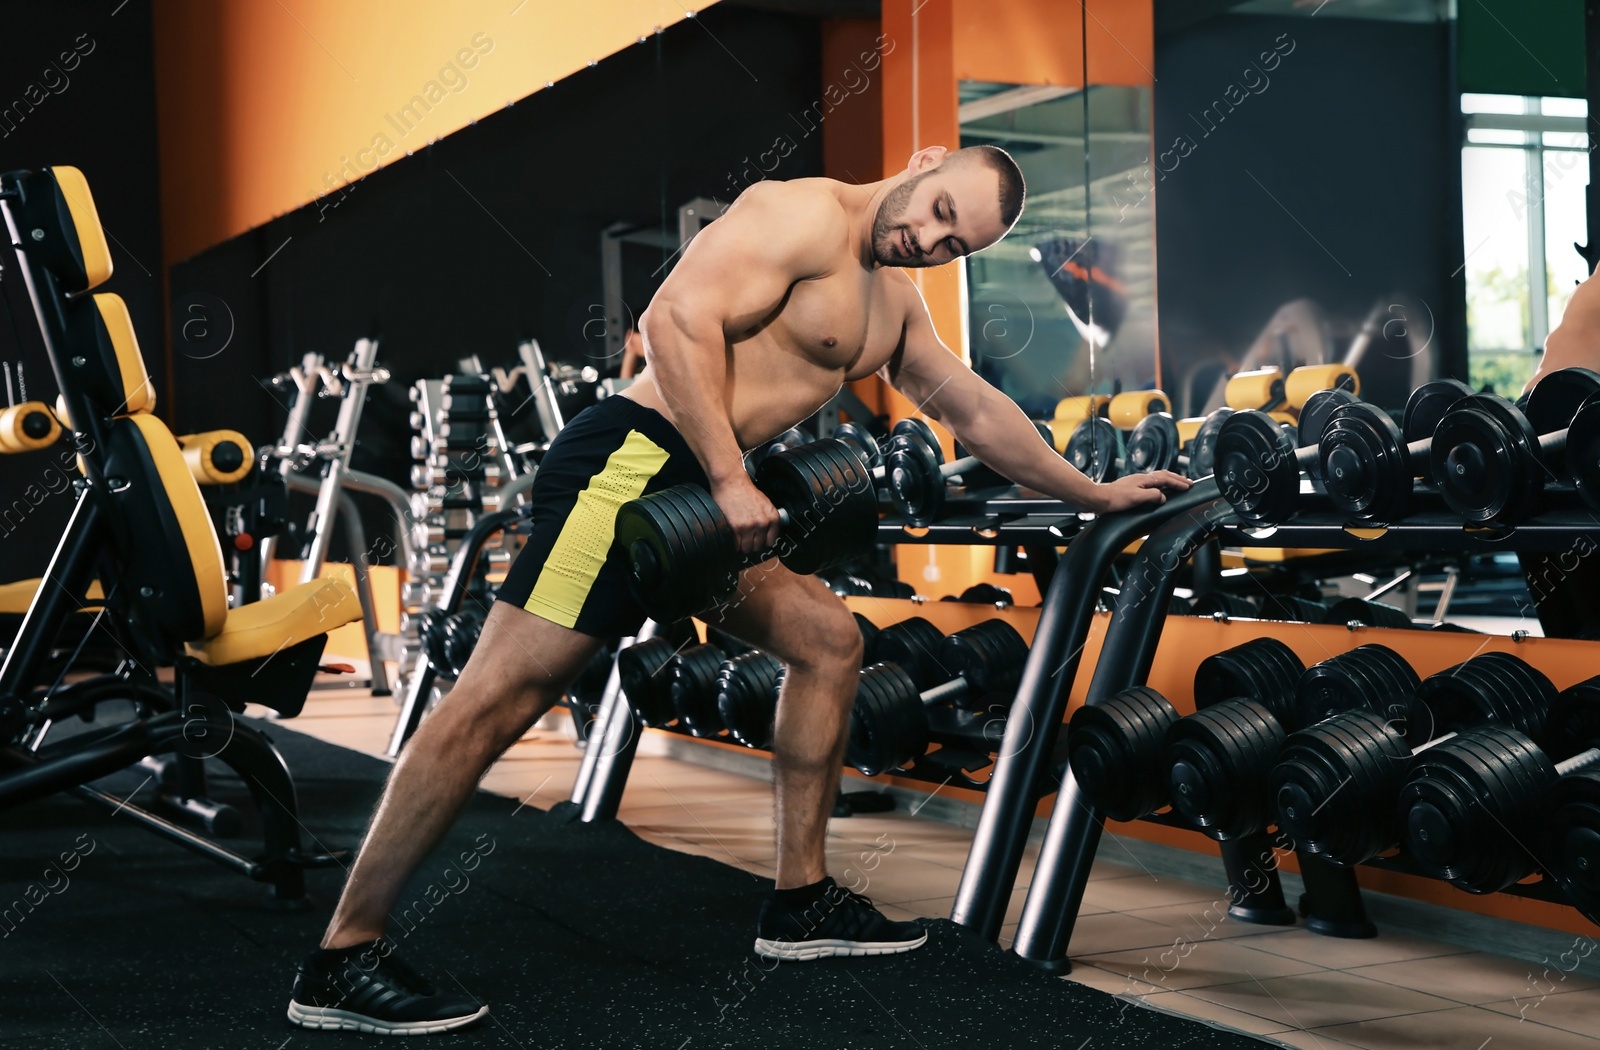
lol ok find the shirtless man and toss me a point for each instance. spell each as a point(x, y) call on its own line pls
point(797, 289)
point(1575, 343)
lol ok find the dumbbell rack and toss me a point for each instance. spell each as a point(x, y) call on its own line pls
point(1029, 748)
point(461, 464)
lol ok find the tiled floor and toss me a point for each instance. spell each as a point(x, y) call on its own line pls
point(1146, 937)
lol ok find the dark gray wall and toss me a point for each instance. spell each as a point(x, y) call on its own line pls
point(1351, 133)
point(77, 87)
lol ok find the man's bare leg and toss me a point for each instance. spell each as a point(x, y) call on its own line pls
point(805, 625)
point(519, 669)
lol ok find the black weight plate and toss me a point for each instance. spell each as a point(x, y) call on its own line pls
point(1554, 400)
point(916, 488)
point(1427, 405)
point(1153, 445)
point(922, 432)
point(1203, 449)
point(1485, 460)
point(1292, 608)
point(990, 656)
point(913, 645)
point(1096, 449)
point(1262, 669)
point(747, 697)
point(861, 439)
point(1373, 614)
point(1230, 605)
point(1582, 456)
point(694, 689)
point(883, 721)
point(1364, 465)
point(647, 679)
point(1115, 749)
point(986, 594)
point(1256, 468)
point(1314, 414)
point(1535, 694)
point(1574, 722)
point(1571, 840)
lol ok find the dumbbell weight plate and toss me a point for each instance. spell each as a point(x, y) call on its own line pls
point(1116, 752)
point(1221, 603)
point(1256, 468)
point(915, 486)
point(1153, 445)
point(1334, 785)
point(1370, 678)
point(860, 439)
point(1220, 758)
point(869, 639)
point(1582, 457)
point(826, 488)
point(1555, 399)
point(921, 431)
point(1292, 608)
point(1427, 405)
point(1318, 408)
point(1485, 459)
point(1571, 840)
point(1263, 669)
point(913, 645)
point(990, 656)
point(1203, 449)
point(680, 551)
point(888, 727)
point(1096, 449)
point(694, 689)
point(1370, 613)
point(747, 697)
point(986, 594)
point(647, 679)
point(1365, 466)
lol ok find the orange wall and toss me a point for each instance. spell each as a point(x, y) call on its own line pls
point(265, 105)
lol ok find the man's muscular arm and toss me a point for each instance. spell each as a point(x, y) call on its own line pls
point(995, 429)
point(1576, 340)
point(731, 279)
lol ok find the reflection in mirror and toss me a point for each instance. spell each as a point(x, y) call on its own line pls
point(1065, 306)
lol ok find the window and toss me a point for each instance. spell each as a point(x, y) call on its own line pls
point(1524, 171)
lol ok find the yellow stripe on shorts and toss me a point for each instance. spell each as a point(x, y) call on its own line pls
point(579, 552)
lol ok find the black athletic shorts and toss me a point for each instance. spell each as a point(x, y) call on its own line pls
point(570, 572)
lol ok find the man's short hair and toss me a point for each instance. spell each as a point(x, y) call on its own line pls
point(1012, 189)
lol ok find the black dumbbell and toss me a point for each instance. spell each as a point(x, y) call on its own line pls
point(913, 645)
point(1468, 804)
point(681, 551)
point(747, 685)
point(1222, 755)
point(1335, 788)
point(889, 723)
point(1491, 460)
point(693, 688)
point(1224, 605)
point(1364, 612)
point(915, 473)
point(794, 437)
point(1257, 461)
point(1569, 835)
point(862, 440)
point(1154, 445)
point(1097, 450)
point(747, 697)
point(1368, 462)
point(645, 672)
point(1117, 747)
point(1292, 608)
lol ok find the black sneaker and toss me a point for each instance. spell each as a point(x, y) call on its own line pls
point(366, 988)
point(837, 923)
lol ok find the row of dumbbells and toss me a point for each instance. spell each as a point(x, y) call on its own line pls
point(1483, 773)
point(1483, 457)
point(724, 688)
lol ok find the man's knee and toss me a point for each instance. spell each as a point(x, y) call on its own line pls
point(830, 644)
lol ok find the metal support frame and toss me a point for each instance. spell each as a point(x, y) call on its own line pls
point(359, 373)
point(613, 742)
point(1126, 656)
point(419, 684)
point(1026, 752)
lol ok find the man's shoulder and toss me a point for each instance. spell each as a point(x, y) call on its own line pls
point(811, 200)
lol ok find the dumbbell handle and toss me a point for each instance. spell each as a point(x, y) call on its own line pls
point(946, 470)
point(951, 690)
point(1552, 444)
point(1582, 760)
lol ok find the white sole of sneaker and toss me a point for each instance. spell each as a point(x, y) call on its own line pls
point(805, 951)
point(329, 1019)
